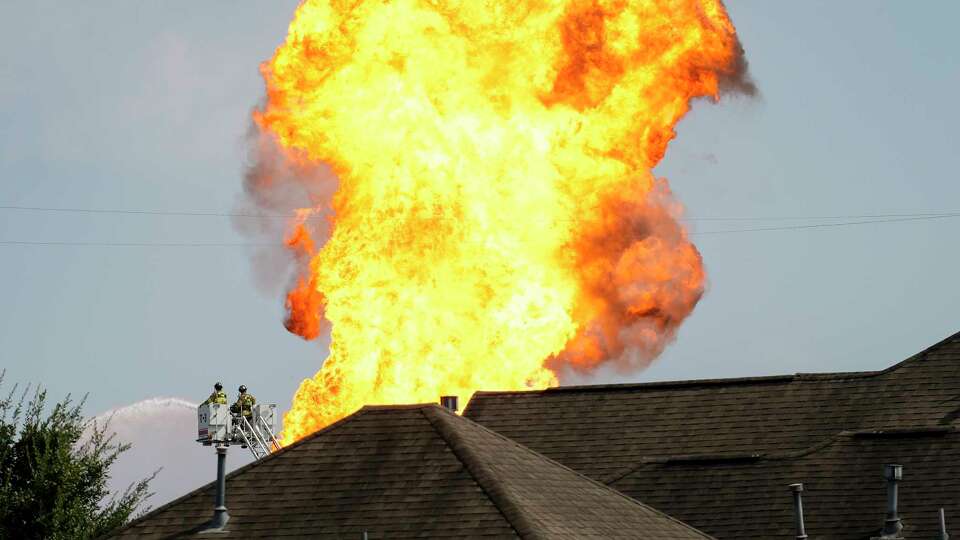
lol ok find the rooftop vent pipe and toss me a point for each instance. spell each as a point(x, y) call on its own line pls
point(943, 527)
point(797, 489)
point(449, 402)
point(892, 525)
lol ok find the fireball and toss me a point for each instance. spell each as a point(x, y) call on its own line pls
point(495, 220)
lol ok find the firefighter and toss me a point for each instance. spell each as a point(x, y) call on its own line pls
point(218, 395)
point(244, 404)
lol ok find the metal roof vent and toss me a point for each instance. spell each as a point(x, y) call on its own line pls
point(891, 526)
point(797, 489)
point(943, 527)
point(449, 402)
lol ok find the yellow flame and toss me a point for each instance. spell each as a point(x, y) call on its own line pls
point(496, 218)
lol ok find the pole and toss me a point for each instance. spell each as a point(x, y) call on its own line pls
point(220, 515)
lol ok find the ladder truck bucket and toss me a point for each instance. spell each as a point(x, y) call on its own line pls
point(213, 423)
point(218, 426)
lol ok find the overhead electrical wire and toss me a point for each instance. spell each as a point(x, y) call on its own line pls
point(132, 244)
point(288, 216)
point(146, 212)
point(946, 213)
point(863, 219)
point(825, 225)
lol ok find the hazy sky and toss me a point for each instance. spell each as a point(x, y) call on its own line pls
point(145, 106)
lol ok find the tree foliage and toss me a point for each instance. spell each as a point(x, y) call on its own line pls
point(54, 468)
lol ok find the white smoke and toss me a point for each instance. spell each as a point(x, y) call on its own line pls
point(163, 431)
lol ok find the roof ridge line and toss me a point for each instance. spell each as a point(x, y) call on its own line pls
point(575, 473)
point(235, 472)
point(458, 451)
point(924, 352)
point(763, 379)
point(689, 383)
point(398, 406)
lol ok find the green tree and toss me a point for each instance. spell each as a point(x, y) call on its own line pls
point(54, 469)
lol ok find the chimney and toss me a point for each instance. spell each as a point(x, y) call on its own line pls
point(891, 526)
point(797, 489)
point(449, 402)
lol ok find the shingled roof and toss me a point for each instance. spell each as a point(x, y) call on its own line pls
point(844, 494)
point(603, 431)
point(411, 471)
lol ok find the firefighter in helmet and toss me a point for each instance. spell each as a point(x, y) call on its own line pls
point(218, 395)
point(244, 404)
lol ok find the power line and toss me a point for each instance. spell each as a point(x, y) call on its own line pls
point(881, 218)
point(145, 212)
point(800, 218)
point(133, 244)
point(826, 225)
point(266, 244)
point(288, 216)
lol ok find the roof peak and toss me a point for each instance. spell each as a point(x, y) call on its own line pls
point(444, 474)
point(482, 452)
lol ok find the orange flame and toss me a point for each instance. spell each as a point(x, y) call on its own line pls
point(496, 219)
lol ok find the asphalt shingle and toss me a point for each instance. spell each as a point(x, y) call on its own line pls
point(844, 493)
point(718, 454)
point(411, 472)
point(603, 431)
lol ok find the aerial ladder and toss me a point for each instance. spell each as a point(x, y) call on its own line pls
point(218, 427)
